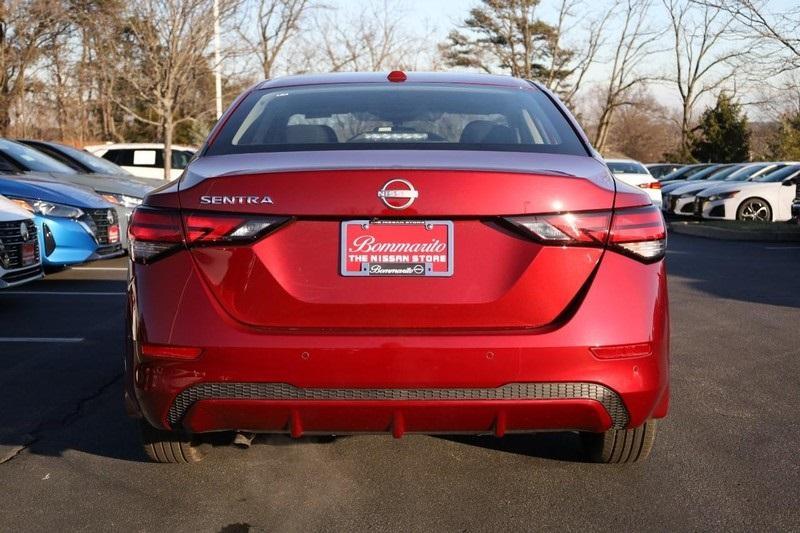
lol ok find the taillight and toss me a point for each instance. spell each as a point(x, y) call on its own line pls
point(212, 228)
point(638, 232)
point(653, 185)
point(154, 233)
point(567, 228)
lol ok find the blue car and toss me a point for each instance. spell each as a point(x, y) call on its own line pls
point(75, 225)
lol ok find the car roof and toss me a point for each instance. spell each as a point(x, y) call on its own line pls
point(468, 78)
point(607, 160)
point(132, 146)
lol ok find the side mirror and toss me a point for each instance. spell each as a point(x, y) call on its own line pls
point(789, 181)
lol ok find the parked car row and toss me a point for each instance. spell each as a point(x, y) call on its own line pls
point(61, 206)
point(761, 192)
point(144, 160)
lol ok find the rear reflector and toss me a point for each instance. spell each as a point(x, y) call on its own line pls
point(622, 351)
point(161, 351)
point(637, 232)
point(154, 233)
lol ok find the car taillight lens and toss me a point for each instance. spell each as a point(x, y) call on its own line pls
point(637, 232)
point(154, 233)
point(653, 185)
point(567, 228)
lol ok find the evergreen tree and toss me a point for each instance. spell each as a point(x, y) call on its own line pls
point(506, 34)
point(722, 135)
point(787, 145)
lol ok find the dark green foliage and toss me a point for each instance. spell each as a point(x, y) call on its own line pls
point(722, 135)
point(787, 144)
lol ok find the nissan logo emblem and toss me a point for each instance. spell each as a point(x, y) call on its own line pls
point(398, 194)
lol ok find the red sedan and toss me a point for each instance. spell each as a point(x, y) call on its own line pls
point(420, 253)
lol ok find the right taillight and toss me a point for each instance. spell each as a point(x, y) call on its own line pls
point(154, 233)
point(638, 232)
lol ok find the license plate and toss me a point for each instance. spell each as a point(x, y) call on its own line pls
point(113, 234)
point(28, 254)
point(414, 248)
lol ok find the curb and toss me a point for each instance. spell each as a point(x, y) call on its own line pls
point(728, 234)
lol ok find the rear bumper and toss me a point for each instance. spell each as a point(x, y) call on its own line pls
point(487, 382)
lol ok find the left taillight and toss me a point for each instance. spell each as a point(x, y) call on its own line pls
point(154, 233)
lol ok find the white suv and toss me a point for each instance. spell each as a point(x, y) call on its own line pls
point(20, 261)
point(144, 160)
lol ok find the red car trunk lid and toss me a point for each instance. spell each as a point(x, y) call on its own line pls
point(498, 279)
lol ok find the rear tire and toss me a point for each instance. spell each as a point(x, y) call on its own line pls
point(163, 446)
point(620, 445)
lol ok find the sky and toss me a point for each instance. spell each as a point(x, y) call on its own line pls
point(441, 16)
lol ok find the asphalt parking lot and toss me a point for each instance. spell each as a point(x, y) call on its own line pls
point(726, 458)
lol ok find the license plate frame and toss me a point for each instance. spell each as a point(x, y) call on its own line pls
point(411, 268)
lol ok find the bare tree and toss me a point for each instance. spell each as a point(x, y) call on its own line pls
point(643, 131)
point(276, 23)
point(27, 28)
point(507, 35)
point(570, 65)
point(702, 63)
point(775, 33)
point(170, 39)
point(374, 38)
point(632, 46)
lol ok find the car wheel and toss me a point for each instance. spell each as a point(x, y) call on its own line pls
point(754, 209)
point(620, 445)
point(163, 446)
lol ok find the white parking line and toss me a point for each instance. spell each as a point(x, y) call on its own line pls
point(62, 293)
point(782, 247)
point(42, 339)
point(116, 269)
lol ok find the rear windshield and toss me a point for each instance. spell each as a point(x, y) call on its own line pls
point(407, 116)
point(626, 167)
